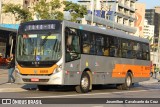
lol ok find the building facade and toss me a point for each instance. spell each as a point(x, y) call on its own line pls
point(148, 31)
point(153, 17)
point(121, 12)
point(140, 18)
point(8, 18)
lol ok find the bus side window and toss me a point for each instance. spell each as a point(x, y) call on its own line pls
point(86, 48)
point(139, 51)
point(106, 46)
point(99, 44)
point(145, 54)
point(86, 43)
point(72, 45)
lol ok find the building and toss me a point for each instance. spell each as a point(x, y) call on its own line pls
point(148, 31)
point(8, 18)
point(153, 17)
point(117, 14)
point(140, 18)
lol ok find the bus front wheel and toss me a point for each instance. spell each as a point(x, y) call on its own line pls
point(84, 83)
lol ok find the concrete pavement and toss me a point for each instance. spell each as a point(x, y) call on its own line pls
point(4, 85)
point(12, 87)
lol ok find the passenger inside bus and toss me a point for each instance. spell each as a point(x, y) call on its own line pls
point(92, 49)
point(106, 51)
point(99, 50)
point(86, 48)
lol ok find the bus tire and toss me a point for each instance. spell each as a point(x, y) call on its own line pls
point(128, 82)
point(43, 87)
point(84, 83)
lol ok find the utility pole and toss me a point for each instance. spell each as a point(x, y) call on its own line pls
point(158, 50)
point(92, 9)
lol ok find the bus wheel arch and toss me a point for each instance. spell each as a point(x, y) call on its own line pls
point(85, 82)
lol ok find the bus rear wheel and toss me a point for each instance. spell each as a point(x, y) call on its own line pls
point(84, 83)
point(127, 84)
point(43, 87)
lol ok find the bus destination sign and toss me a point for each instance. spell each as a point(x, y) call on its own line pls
point(40, 27)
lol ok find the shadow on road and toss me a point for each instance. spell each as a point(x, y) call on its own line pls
point(68, 88)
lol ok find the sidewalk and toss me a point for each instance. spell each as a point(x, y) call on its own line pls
point(4, 79)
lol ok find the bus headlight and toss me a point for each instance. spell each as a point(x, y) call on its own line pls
point(57, 70)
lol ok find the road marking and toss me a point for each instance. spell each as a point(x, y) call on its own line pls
point(11, 90)
point(92, 94)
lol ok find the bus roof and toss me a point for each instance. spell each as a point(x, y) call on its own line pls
point(111, 32)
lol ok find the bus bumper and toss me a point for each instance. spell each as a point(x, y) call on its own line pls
point(54, 79)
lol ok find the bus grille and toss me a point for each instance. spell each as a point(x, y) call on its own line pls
point(40, 80)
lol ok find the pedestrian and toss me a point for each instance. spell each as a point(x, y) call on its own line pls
point(11, 67)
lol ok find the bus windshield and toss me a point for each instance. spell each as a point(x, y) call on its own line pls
point(39, 47)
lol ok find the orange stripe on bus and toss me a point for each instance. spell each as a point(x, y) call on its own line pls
point(48, 70)
point(121, 70)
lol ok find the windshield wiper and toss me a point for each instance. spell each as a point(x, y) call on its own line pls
point(45, 39)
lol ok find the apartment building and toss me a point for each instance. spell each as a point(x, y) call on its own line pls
point(153, 17)
point(122, 12)
point(148, 31)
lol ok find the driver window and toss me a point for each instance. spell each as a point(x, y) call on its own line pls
point(72, 44)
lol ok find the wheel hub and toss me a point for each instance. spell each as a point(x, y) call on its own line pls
point(84, 83)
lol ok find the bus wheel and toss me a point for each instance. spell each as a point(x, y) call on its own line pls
point(128, 82)
point(84, 84)
point(43, 87)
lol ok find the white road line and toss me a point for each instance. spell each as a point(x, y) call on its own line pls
point(93, 94)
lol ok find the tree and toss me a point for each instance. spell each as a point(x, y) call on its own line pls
point(19, 13)
point(48, 10)
point(43, 9)
point(76, 10)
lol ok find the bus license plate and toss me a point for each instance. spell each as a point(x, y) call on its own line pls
point(34, 79)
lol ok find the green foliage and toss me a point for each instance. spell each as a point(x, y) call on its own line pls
point(76, 11)
point(48, 10)
point(20, 14)
point(45, 10)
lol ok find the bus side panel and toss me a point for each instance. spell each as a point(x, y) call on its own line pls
point(72, 73)
point(106, 70)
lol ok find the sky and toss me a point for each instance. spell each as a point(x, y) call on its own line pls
point(150, 4)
